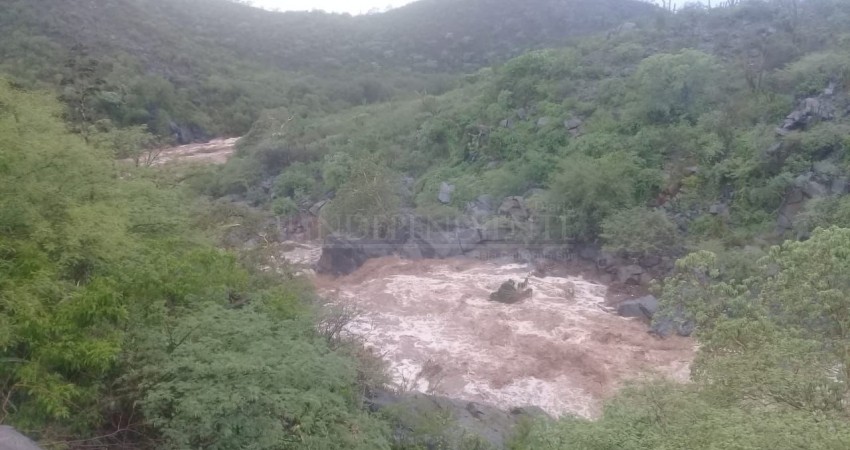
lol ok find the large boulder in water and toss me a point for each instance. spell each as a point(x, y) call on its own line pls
point(643, 307)
point(12, 440)
point(341, 256)
point(510, 292)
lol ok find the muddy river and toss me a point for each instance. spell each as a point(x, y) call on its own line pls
point(560, 350)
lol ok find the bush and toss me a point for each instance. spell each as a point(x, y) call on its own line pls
point(639, 232)
point(284, 206)
point(236, 378)
point(587, 190)
point(295, 182)
point(367, 204)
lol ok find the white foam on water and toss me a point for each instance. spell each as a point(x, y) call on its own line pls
point(558, 350)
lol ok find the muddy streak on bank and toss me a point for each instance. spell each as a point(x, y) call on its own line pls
point(559, 350)
point(216, 151)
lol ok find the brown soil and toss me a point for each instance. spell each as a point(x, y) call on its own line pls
point(216, 151)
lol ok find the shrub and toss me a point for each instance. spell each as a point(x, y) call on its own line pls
point(640, 232)
point(367, 204)
point(587, 190)
point(284, 206)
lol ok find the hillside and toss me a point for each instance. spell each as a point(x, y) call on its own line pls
point(430, 34)
point(213, 65)
point(707, 150)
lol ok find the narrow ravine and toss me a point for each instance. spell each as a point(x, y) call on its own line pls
point(560, 350)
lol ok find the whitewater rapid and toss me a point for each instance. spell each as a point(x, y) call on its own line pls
point(560, 350)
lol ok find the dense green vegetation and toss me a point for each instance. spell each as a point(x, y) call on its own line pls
point(124, 323)
point(198, 68)
point(656, 141)
point(117, 315)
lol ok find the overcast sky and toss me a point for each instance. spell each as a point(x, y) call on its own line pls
point(349, 6)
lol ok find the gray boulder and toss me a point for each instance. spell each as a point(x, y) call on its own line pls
point(573, 126)
point(481, 207)
point(341, 256)
point(543, 121)
point(446, 191)
point(643, 307)
point(666, 326)
point(809, 110)
point(12, 440)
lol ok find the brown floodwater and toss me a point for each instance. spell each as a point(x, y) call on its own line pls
point(561, 349)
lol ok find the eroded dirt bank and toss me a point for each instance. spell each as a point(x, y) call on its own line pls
point(559, 350)
point(216, 151)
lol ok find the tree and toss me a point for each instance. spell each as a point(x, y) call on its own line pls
point(779, 338)
point(674, 87)
point(59, 232)
point(238, 379)
point(81, 87)
point(367, 204)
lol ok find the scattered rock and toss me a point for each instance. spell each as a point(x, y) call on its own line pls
point(446, 191)
point(809, 110)
point(573, 126)
point(830, 90)
point(543, 121)
point(717, 209)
